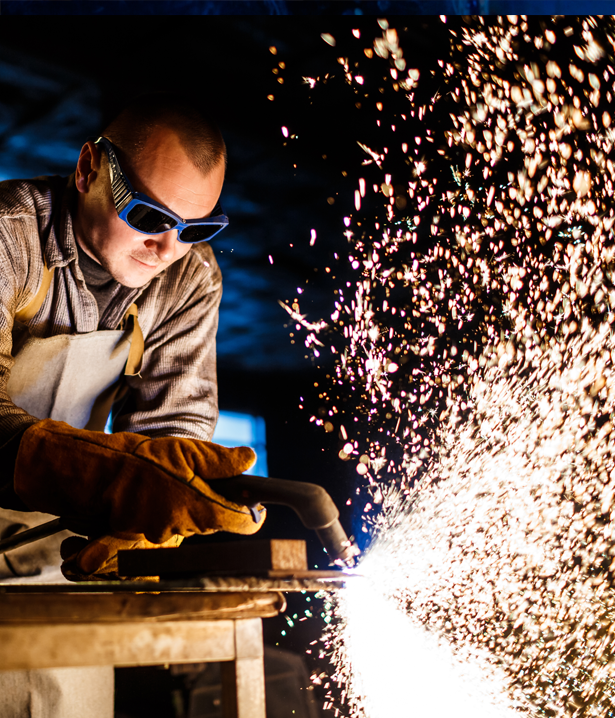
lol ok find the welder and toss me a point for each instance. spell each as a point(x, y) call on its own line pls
point(109, 308)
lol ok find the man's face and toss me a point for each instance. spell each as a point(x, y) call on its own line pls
point(163, 172)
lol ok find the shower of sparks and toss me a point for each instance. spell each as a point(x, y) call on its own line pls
point(505, 546)
point(473, 382)
point(400, 668)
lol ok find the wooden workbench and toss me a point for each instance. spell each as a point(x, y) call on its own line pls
point(66, 628)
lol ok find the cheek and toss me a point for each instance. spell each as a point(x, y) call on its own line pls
point(182, 250)
point(119, 238)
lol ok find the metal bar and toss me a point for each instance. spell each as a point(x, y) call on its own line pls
point(25, 537)
point(225, 584)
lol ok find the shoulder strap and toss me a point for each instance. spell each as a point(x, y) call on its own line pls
point(137, 344)
point(24, 315)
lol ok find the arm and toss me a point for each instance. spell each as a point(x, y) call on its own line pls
point(21, 259)
point(150, 484)
point(20, 251)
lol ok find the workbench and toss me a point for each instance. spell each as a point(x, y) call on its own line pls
point(216, 619)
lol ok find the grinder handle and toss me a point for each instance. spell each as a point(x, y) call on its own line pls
point(310, 502)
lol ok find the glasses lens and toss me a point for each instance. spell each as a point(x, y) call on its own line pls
point(199, 232)
point(150, 220)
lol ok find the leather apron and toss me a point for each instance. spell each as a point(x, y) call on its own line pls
point(73, 378)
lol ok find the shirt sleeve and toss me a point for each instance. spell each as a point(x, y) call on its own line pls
point(176, 393)
point(21, 258)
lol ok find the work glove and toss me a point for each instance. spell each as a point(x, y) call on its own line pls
point(128, 483)
point(96, 559)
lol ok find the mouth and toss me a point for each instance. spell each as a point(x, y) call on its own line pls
point(145, 265)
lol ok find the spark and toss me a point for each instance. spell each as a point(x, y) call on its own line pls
point(472, 340)
point(374, 155)
point(301, 318)
point(502, 549)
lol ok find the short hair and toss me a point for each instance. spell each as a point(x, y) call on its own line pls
point(198, 134)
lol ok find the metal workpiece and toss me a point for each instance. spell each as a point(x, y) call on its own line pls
point(258, 557)
point(310, 581)
point(256, 565)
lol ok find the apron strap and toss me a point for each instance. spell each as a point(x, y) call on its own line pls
point(137, 345)
point(24, 315)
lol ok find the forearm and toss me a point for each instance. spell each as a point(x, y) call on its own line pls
point(8, 457)
point(14, 421)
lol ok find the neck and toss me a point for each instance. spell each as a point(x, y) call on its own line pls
point(79, 230)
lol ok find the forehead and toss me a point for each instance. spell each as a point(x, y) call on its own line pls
point(164, 172)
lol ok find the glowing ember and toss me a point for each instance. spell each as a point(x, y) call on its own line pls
point(472, 336)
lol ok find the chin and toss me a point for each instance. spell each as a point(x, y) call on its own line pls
point(132, 277)
point(134, 281)
point(129, 279)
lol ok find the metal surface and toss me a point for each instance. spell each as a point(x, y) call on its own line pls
point(298, 581)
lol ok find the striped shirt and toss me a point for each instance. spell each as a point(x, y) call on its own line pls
point(176, 393)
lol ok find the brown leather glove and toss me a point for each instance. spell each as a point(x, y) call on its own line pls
point(96, 560)
point(129, 483)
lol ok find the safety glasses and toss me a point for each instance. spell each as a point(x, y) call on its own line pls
point(150, 217)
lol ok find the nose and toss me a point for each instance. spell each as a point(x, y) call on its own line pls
point(163, 245)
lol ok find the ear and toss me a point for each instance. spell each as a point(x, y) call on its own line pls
point(88, 166)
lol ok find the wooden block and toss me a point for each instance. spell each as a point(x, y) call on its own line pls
point(129, 607)
point(243, 680)
point(56, 645)
point(244, 558)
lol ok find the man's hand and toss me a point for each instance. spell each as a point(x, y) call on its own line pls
point(96, 559)
point(130, 484)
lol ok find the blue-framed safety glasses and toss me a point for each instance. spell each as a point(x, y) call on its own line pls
point(150, 217)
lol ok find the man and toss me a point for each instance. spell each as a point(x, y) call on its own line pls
point(109, 298)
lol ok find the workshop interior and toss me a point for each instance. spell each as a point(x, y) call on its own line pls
point(435, 466)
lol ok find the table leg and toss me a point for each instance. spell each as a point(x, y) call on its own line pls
point(243, 680)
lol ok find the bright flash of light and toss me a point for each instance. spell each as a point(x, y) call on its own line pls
point(503, 550)
point(400, 669)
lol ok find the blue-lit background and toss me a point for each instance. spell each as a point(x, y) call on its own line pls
point(235, 429)
point(305, 7)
